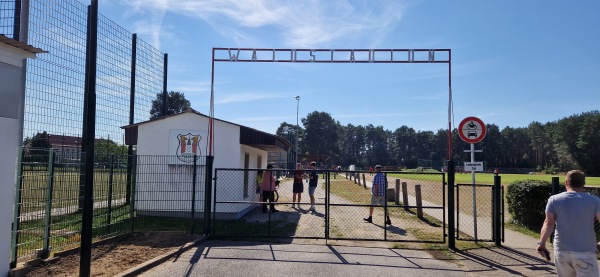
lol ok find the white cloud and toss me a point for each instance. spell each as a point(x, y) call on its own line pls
point(263, 118)
point(246, 97)
point(364, 115)
point(189, 86)
point(307, 23)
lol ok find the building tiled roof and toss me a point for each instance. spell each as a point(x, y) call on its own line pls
point(23, 46)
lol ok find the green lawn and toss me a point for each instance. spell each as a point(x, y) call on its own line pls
point(487, 178)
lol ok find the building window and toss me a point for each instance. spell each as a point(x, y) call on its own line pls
point(259, 162)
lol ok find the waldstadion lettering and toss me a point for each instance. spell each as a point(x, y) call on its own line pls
point(333, 55)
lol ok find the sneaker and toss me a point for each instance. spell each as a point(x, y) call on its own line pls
point(293, 206)
point(388, 222)
point(312, 208)
point(368, 219)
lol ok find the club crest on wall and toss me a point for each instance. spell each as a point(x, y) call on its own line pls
point(188, 146)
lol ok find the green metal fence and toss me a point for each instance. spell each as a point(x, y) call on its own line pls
point(167, 195)
point(416, 204)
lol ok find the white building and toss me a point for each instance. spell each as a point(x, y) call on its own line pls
point(166, 147)
point(12, 93)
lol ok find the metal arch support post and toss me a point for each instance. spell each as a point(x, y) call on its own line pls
point(451, 207)
point(297, 127)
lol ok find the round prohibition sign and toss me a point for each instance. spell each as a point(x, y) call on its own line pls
point(471, 129)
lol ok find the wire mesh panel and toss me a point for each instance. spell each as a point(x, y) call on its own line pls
point(148, 79)
point(169, 194)
point(474, 219)
point(113, 80)
point(342, 202)
point(239, 211)
point(416, 207)
point(48, 207)
point(49, 203)
point(7, 18)
point(55, 80)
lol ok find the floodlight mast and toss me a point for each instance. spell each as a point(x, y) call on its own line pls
point(297, 126)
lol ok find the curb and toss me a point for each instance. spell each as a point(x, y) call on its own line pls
point(160, 259)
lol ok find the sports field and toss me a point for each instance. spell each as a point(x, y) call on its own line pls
point(486, 178)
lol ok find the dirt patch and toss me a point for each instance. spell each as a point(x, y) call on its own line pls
point(113, 258)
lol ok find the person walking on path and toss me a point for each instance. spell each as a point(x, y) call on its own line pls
point(298, 186)
point(268, 187)
point(313, 177)
point(378, 194)
point(573, 213)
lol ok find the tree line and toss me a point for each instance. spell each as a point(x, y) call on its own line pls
point(569, 143)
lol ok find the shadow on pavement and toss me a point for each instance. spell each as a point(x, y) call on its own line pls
point(225, 255)
point(504, 260)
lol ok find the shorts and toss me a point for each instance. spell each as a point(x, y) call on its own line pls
point(311, 190)
point(298, 187)
point(575, 263)
point(378, 200)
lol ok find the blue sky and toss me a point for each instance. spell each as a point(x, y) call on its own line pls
point(513, 62)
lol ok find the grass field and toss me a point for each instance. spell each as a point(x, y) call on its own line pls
point(487, 178)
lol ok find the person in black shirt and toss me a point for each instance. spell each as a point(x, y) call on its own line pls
point(312, 184)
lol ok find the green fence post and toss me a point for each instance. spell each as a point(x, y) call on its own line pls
point(451, 205)
point(193, 215)
point(48, 219)
point(208, 194)
point(555, 185)
point(327, 203)
point(110, 190)
point(497, 220)
point(554, 190)
point(133, 187)
point(17, 211)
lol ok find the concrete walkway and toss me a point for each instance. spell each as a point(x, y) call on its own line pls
point(242, 258)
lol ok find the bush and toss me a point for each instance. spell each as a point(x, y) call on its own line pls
point(527, 202)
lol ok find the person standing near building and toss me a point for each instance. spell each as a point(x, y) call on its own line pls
point(313, 177)
point(378, 194)
point(268, 187)
point(298, 186)
point(572, 213)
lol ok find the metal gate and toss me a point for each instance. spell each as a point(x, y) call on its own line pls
point(478, 215)
point(415, 204)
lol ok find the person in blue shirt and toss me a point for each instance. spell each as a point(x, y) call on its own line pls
point(378, 194)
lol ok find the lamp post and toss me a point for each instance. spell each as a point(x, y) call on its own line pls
point(297, 127)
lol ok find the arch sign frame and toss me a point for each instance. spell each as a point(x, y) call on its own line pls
point(271, 55)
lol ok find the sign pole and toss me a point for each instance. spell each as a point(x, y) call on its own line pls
point(474, 192)
point(472, 130)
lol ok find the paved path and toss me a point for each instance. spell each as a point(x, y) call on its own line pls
point(346, 221)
